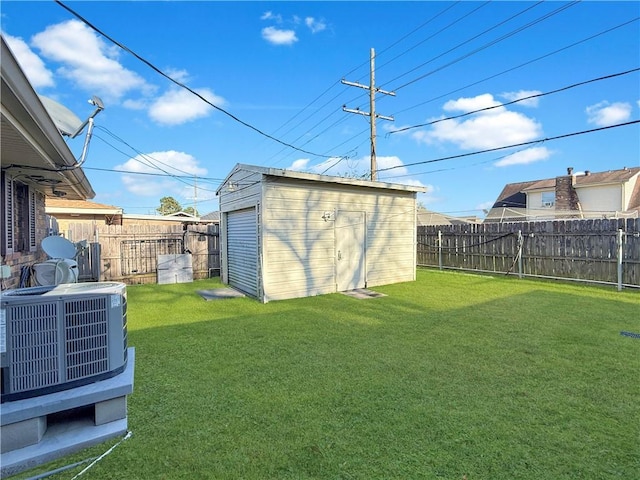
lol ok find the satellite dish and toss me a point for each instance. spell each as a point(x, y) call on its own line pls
point(66, 121)
point(58, 247)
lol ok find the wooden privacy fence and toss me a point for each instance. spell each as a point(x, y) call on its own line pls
point(602, 251)
point(129, 253)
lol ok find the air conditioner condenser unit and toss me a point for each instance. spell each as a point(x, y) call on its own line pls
point(57, 337)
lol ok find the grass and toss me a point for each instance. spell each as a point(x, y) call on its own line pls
point(452, 375)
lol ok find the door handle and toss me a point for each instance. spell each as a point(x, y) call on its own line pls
point(339, 255)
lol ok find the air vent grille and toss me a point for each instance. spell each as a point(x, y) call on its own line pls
point(86, 334)
point(34, 335)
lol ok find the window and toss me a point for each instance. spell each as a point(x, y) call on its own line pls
point(548, 199)
point(8, 230)
point(19, 229)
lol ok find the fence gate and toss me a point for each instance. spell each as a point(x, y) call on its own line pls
point(141, 256)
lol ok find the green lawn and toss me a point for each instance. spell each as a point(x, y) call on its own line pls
point(451, 375)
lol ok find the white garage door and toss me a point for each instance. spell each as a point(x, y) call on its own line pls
point(242, 250)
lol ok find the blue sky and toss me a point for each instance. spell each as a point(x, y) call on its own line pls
point(274, 69)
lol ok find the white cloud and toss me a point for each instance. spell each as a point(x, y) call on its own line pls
point(474, 103)
point(176, 107)
point(171, 162)
point(86, 59)
point(531, 102)
point(269, 15)
point(524, 157)
point(34, 68)
point(359, 168)
point(315, 25)
point(135, 104)
point(299, 165)
point(491, 129)
point(604, 114)
point(277, 36)
point(180, 75)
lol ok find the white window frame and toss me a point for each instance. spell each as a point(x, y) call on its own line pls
point(548, 199)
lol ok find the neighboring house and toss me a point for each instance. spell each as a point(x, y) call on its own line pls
point(178, 218)
point(36, 164)
point(611, 194)
point(286, 234)
point(211, 217)
point(67, 211)
point(427, 218)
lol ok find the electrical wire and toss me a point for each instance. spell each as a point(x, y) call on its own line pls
point(538, 95)
point(182, 85)
point(466, 41)
point(328, 102)
point(554, 52)
point(548, 139)
point(491, 43)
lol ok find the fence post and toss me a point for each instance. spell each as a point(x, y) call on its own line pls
point(620, 240)
point(520, 245)
point(440, 249)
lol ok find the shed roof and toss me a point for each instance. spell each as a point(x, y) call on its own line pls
point(314, 177)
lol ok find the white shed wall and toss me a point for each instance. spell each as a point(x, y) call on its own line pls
point(242, 190)
point(298, 244)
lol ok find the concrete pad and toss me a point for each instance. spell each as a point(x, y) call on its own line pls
point(220, 293)
point(65, 432)
point(60, 440)
point(24, 433)
point(363, 293)
point(110, 410)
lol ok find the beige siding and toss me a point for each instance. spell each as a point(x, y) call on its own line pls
point(605, 198)
point(298, 244)
point(628, 189)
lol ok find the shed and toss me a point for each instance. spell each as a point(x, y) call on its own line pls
point(287, 234)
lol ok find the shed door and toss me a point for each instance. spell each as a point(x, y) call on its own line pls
point(242, 250)
point(350, 242)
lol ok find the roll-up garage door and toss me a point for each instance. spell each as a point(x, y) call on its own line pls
point(242, 250)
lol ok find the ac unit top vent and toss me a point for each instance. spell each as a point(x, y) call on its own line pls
point(67, 289)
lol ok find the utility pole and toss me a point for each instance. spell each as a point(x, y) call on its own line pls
point(372, 109)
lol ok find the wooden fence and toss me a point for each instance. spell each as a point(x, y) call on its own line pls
point(129, 253)
point(603, 251)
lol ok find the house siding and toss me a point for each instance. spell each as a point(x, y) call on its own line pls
point(605, 198)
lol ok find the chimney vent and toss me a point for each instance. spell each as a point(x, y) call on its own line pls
point(570, 171)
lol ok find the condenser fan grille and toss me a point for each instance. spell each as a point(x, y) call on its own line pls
point(34, 336)
point(86, 336)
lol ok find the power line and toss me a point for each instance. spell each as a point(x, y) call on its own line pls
point(579, 84)
point(491, 43)
point(384, 50)
point(182, 85)
point(548, 139)
point(466, 41)
point(522, 64)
